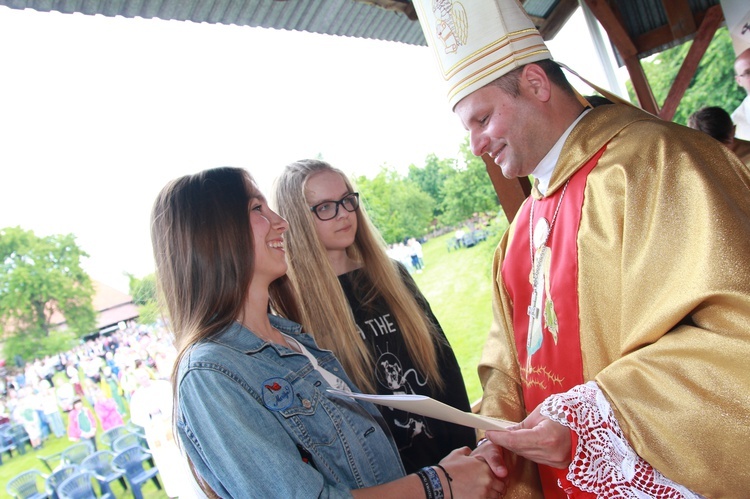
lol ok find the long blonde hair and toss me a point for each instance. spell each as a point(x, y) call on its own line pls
point(326, 313)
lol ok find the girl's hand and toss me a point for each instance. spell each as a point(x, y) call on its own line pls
point(471, 476)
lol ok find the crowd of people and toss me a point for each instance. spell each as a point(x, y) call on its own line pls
point(408, 253)
point(91, 383)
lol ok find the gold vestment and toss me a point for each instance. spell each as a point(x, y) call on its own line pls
point(664, 298)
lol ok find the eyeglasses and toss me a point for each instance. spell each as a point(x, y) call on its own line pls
point(328, 210)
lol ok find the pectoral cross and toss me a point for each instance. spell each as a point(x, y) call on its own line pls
point(532, 310)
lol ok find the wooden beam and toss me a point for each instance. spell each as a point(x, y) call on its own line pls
point(679, 17)
point(648, 42)
point(538, 21)
point(625, 46)
point(641, 86)
point(557, 18)
point(712, 20)
point(615, 30)
point(510, 192)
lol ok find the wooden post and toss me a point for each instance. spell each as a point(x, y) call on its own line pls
point(628, 52)
point(713, 18)
point(510, 192)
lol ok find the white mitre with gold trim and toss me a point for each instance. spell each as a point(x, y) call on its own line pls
point(478, 41)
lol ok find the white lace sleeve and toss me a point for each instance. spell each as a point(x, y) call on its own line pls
point(604, 462)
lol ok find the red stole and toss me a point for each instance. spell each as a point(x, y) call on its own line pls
point(556, 366)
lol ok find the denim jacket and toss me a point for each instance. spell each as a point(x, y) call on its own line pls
point(256, 421)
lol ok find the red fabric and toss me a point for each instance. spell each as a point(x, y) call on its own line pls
point(555, 367)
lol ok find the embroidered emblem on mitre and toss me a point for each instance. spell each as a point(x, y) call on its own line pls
point(478, 41)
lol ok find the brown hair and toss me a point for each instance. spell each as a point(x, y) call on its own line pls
point(204, 253)
point(714, 121)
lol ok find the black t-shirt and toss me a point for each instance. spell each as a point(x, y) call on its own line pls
point(421, 441)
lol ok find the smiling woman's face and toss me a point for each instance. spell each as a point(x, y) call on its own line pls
point(268, 240)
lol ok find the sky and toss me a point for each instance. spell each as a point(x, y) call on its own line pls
point(97, 114)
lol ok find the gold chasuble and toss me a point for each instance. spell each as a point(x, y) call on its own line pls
point(633, 271)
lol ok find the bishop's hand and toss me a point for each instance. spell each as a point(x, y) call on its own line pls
point(538, 439)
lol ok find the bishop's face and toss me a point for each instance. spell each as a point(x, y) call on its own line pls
point(504, 127)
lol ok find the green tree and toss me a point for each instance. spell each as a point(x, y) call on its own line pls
point(39, 276)
point(431, 178)
point(397, 207)
point(712, 85)
point(144, 293)
point(469, 191)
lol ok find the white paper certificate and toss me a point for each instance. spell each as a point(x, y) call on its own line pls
point(426, 406)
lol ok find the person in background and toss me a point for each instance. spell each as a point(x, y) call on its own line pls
point(417, 255)
point(621, 290)
point(82, 424)
point(44, 426)
point(741, 115)
point(50, 408)
point(25, 413)
point(460, 233)
point(718, 124)
point(66, 395)
point(4, 412)
point(74, 375)
point(110, 387)
point(106, 409)
point(151, 408)
point(368, 310)
point(252, 410)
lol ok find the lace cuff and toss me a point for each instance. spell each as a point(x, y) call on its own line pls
point(604, 463)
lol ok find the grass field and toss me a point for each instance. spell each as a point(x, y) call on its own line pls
point(457, 284)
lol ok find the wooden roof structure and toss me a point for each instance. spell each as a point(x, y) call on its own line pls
point(111, 307)
point(636, 29)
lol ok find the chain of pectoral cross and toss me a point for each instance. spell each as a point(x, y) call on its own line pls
point(536, 263)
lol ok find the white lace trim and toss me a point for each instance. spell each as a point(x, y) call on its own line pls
point(604, 463)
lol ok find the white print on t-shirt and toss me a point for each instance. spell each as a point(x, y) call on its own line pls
point(391, 375)
point(416, 426)
point(382, 325)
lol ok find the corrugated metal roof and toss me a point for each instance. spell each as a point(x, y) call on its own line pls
point(333, 17)
point(640, 17)
point(354, 18)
